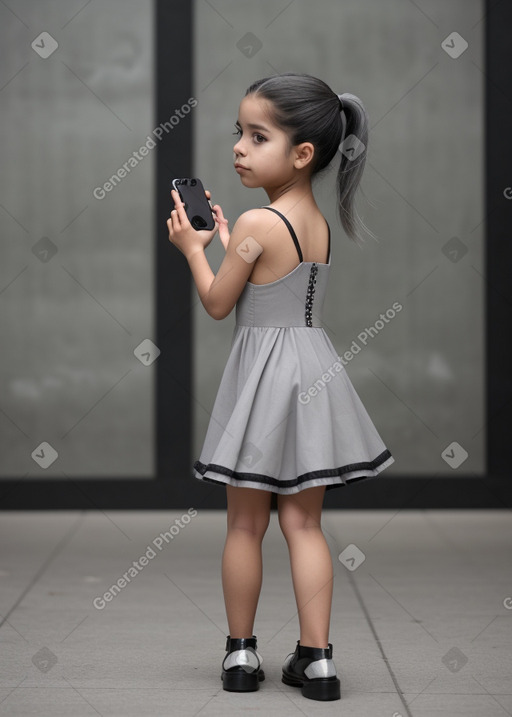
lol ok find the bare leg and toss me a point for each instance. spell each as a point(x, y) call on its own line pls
point(311, 563)
point(247, 521)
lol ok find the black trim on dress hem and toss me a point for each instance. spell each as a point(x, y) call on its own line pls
point(295, 482)
point(327, 486)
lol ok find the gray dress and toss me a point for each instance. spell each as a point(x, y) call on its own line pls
point(286, 416)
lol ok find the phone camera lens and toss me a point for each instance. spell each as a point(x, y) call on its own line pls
point(193, 182)
point(198, 222)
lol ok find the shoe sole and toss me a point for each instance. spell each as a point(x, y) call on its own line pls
point(320, 688)
point(242, 681)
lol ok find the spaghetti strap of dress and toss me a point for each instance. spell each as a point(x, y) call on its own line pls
point(294, 236)
point(292, 232)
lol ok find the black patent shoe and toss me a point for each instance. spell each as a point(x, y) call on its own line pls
point(313, 670)
point(241, 671)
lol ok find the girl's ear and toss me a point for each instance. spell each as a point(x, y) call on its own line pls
point(304, 153)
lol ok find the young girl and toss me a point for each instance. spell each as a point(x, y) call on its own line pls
point(286, 418)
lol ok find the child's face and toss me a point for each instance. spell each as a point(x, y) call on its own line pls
point(263, 150)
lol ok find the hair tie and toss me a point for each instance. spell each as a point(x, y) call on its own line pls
point(343, 116)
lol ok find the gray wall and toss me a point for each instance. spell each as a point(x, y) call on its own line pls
point(422, 376)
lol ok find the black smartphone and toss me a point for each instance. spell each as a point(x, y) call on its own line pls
point(198, 208)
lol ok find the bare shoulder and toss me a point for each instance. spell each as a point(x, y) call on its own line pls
point(255, 219)
point(255, 223)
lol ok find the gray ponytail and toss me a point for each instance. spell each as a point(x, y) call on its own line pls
point(353, 150)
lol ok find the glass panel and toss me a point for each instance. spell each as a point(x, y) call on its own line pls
point(77, 224)
point(419, 369)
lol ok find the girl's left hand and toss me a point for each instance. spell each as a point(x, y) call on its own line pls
point(182, 234)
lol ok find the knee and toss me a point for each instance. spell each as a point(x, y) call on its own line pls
point(301, 511)
point(254, 526)
point(292, 521)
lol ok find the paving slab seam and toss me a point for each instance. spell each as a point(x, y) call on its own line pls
point(379, 644)
point(62, 542)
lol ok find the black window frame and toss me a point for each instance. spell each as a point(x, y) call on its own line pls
point(174, 486)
